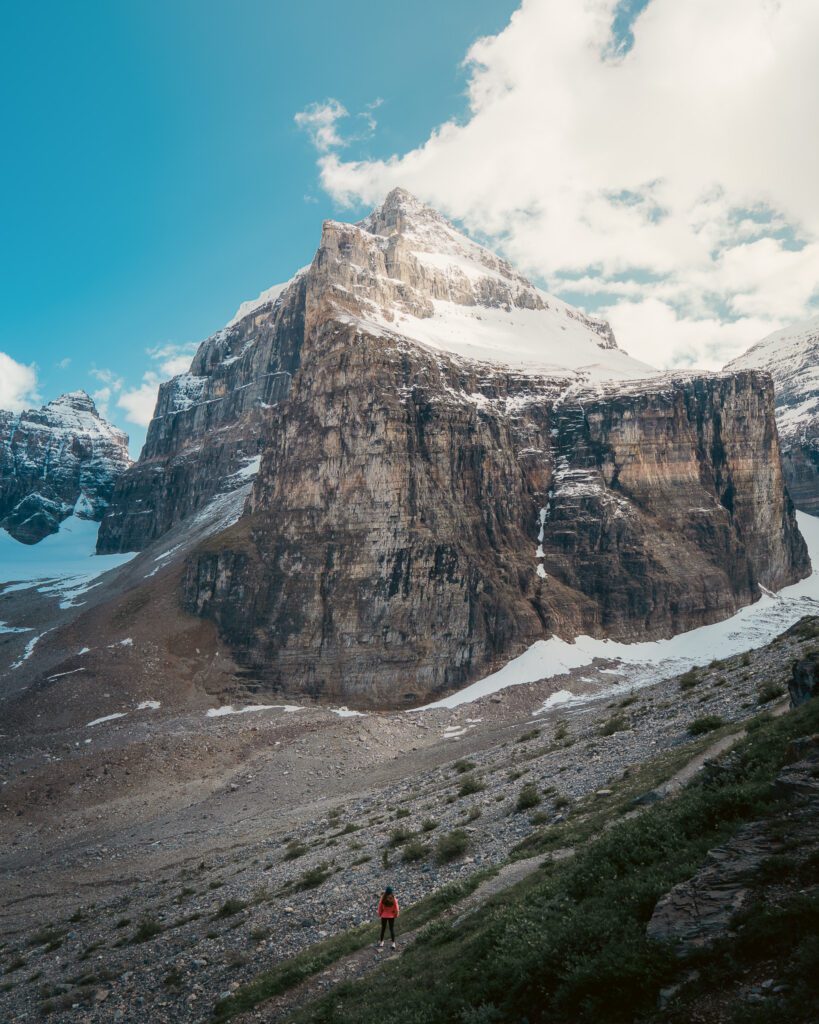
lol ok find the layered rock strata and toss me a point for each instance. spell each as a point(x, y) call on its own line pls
point(791, 356)
point(405, 269)
point(415, 523)
point(421, 515)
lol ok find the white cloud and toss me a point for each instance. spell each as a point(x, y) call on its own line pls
point(18, 385)
point(63, 364)
point(171, 360)
point(108, 378)
point(319, 120)
point(679, 176)
point(139, 403)
point(656, 334)
point(102, 398)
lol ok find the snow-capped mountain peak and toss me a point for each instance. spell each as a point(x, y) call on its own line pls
point(414, 275)
point(56, 461)
point(406, 271)
point(791, 356)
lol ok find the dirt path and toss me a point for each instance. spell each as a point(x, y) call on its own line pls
point(690, 769)
point(368, 959)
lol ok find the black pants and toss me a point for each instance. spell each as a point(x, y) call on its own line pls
point(391, 922)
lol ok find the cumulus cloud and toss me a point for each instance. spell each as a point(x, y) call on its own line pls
point(670, 185)
point(173, 359)
point(320, 121)
point(139, 403)
point(170, 360)
point(18, 385)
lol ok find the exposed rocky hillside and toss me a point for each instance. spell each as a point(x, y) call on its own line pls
point(165, 860)
point(452, 464)
point(57, 461)
point(791, 356)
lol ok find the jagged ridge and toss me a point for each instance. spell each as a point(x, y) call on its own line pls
point(55, 461)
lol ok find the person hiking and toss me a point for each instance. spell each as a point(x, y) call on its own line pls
point(388, 911)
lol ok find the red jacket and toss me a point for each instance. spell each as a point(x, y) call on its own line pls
point(388, 911)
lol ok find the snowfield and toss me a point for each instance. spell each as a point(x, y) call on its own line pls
point(534, 340)
point(654, 660)
point(64, 563)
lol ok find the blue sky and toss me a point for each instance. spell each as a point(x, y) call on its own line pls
point(645, 159)
point(153, 175)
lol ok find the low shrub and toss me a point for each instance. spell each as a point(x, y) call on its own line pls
point(414, 851)
point(769, 692)
point(228, 909)
point(707, 723)
point(617, 723)
point(400, 835)
point(528, 797)
point(313, 877)
point(147, 929)
point(470, 785)
point(451, 846)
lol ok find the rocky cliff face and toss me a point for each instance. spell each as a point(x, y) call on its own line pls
point(59, 460)
point(791, 357)
point(409, 535)
point(452, 465)
point(404, 269)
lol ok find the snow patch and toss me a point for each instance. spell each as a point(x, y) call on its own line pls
point(29, 649)
point(229, 709)
point(535, 340)
point(64, 563)
point(106, 718)
point(6, 628)
point(652, 661)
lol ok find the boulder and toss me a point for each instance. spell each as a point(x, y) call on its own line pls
point(804, 682)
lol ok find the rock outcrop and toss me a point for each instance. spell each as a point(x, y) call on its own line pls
point(791, 356)
point(60, 460)
point(702, 909)
point(452, 465)
point(804, 682)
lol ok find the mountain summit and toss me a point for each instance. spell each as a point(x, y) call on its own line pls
point(411, 272)
point(414, 464)
point(55, 461)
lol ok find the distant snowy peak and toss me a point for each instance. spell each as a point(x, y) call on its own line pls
point(56, 461)
point(76, 412)
point(791, 356)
